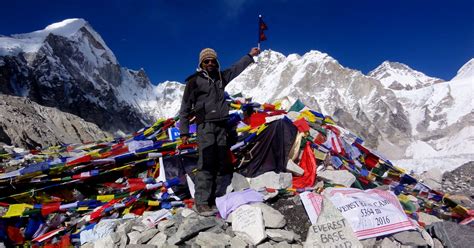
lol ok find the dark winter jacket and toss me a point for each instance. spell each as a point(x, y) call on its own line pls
point(204, 97)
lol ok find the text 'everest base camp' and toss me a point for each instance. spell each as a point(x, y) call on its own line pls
point(327, 157)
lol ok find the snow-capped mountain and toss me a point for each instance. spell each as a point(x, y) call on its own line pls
point(359, 102)
point(442, 117)
point(426, 118)
point(68, 65)
point(398, 76)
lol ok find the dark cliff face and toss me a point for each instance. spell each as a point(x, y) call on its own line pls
point(60, 75)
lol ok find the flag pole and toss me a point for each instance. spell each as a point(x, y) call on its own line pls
point(258, 43)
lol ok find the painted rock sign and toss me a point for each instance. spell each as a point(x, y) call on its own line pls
point(371, 213)
point(331, 228)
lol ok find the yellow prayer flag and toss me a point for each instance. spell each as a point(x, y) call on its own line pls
point(308, 116)
point(15, 210)
point(261, 128)
point(153, 203)
point(105, 198)
point(243, 129)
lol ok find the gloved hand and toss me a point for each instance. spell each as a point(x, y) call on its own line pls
point(254, 51)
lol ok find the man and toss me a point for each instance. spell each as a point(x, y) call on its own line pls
point(204, 101)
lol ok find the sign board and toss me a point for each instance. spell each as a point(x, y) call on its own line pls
point(330, 228)
point(371, 213)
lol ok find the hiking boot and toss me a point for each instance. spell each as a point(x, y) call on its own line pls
point(204, 210)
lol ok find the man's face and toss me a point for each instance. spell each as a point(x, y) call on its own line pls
point(209, 64)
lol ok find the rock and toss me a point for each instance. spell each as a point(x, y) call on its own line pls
point(451, 234)
point(282, 245)
point(147, 235)
point(139, 228)
point(237, 242)
point(272, 217)
point(426, 236)
point(265, 245)
point(341, 177)
point(216, 229)
point(247, 223)
point(271, 180)
point(294, 168)
point(170, 231)
point(105, 242)
point(159, 240)
point(208, 239)
point(122, 243)
point(165, 224)
point(229, 232)
point(331, 229)
point(269, 195)
point(461, 200)
point(432, 178)
point(125, 227)
point(413, 238)
point(369, 243)
point(87, 245)
point(239, 182)
point(190, 227)
point(134, 236)
point(280, 235)
point(187, 212)
point(103, 228)
point(140, 246)
point(428, 219)
point(437, 243)
point(295, 215)
point(387, 243)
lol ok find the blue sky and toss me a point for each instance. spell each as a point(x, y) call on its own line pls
point(165, 37)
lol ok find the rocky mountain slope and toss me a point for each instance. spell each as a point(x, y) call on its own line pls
point(28, 124)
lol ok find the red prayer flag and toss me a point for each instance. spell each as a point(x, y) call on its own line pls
point(48, 208)
point(261, 27)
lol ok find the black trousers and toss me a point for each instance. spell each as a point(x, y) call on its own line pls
point(214, 169)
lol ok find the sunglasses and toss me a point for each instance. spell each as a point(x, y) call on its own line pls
point(209, 61)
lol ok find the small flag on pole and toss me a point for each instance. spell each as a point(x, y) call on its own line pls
point(261, 27)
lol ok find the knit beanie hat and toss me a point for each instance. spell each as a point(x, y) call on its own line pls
point(207, 53)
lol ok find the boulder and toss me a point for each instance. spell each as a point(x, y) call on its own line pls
point(158, 240)
point(208, 239)
point(271, 180)
point(428, 219)
point(433, 178)
point(451, 234)
point(280, 235)
point(247, 223)
point(238, 242)
point(239, 182)
point(412, 238)
point(294, 168)
point(272, 217)
point(147, 235)
point(340, 177)
point(331, 229)
point(191, 226)
point(165, 224)
point(388, 243)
